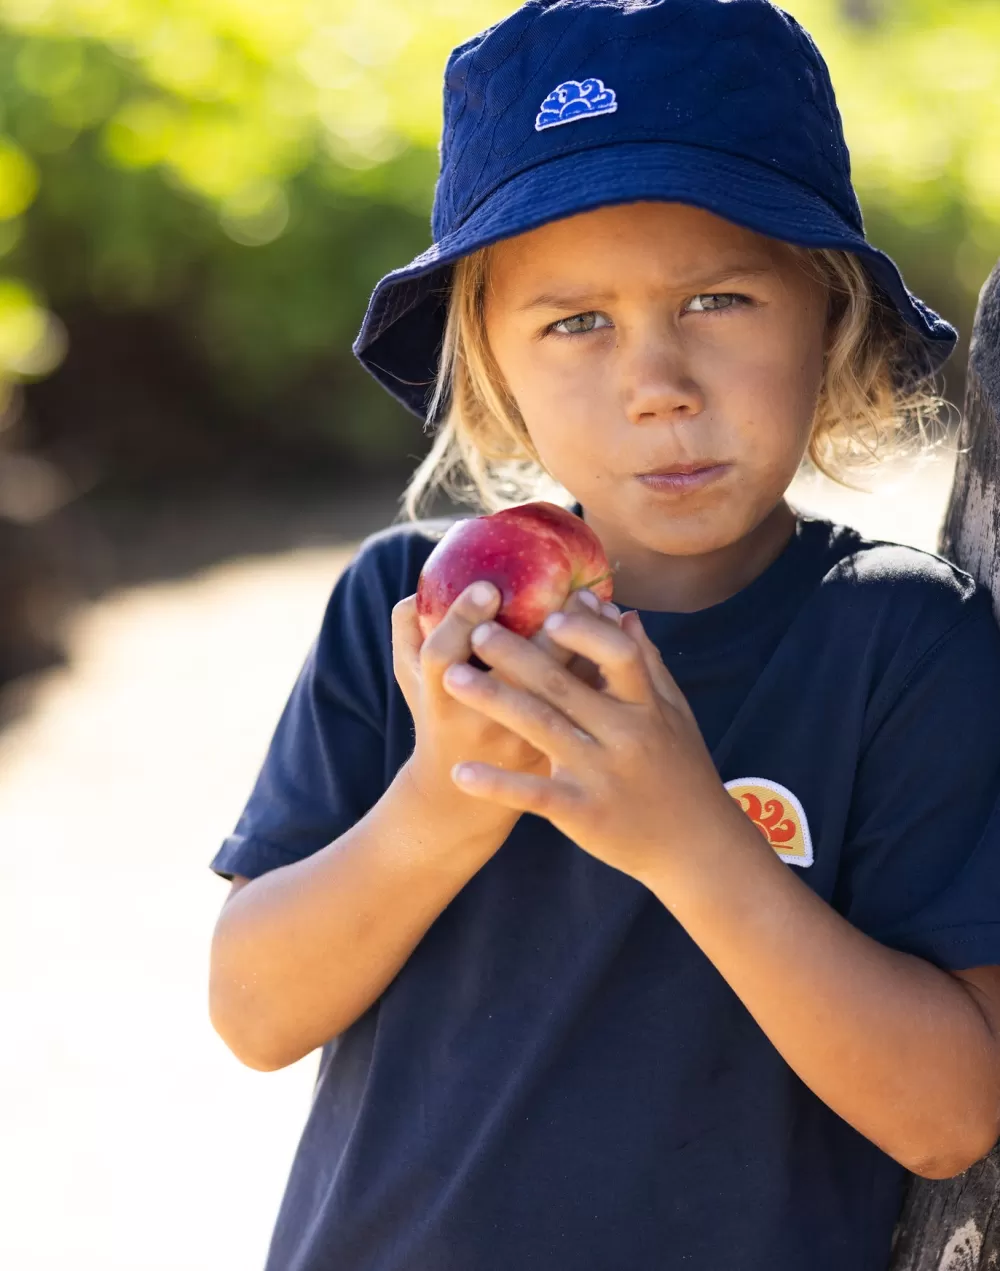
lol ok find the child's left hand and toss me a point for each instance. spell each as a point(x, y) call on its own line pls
point(632, 780)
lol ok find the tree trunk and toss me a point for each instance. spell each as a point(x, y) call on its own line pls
point(954, 1224)
point(972, 523)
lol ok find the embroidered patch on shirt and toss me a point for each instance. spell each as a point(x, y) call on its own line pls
point(778, 815)
point(576, 100)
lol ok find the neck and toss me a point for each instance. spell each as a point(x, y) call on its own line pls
point(645, 579)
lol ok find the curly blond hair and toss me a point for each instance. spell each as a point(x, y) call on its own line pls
point(871, 401)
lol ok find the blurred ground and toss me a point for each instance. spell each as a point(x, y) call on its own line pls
point(132, 1139)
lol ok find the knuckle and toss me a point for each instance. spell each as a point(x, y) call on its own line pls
point(403, 617)
point(435, 653)
point(544, 798)
point(625, 659)
point(628, 654)
point(549, 718)
point(433, 664)
point(403, 608)
point(556, 682)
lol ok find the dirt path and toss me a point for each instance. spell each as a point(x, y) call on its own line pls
point(132, 1140)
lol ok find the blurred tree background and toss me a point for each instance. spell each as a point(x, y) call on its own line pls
point(196, 197)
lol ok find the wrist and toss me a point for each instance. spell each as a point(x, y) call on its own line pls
point(453, 824)
point(727, 857)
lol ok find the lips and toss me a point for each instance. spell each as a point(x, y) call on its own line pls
point(681, 478)
point(681, 469)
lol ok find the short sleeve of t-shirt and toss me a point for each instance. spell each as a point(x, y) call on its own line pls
point(326, 763)
point(920, 870)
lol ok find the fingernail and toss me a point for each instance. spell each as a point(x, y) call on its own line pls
point(481, 633)
point(460, 675)
point(590, 600)
point(554, 621)
point(481, 594)
point(612, 612)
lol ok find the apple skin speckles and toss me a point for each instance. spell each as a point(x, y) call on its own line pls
point(535, 554)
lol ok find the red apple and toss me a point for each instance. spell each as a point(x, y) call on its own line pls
point(535, 554)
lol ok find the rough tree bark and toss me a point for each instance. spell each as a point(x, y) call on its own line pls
point(954, 1224)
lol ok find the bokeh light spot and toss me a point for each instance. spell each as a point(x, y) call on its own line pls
point(255, 216)
point(18, 180)
point(32, 341)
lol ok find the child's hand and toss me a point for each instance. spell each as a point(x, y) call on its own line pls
point(447, 732)
point(631, 777)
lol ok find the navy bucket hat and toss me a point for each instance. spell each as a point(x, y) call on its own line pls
point(570, 105)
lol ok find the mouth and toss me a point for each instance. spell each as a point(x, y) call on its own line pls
point(683, 477)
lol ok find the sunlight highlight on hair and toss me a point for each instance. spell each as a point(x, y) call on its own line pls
point(482, 454)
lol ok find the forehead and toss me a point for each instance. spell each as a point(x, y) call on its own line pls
point(661, 242)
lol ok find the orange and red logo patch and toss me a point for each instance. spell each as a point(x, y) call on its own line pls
point(778, 815)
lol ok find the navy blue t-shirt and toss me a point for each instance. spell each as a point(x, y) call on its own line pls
point(558, 1077)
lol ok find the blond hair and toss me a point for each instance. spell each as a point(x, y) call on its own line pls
point(871, 399)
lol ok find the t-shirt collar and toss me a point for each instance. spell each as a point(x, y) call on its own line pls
point(753, 609)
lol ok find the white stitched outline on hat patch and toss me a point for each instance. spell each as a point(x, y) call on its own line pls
point(575, 100)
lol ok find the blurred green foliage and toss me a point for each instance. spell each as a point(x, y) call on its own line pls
point(247, 169)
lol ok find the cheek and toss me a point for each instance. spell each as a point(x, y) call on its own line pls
point(556, 376)
point(773, 391)
point(563, 401)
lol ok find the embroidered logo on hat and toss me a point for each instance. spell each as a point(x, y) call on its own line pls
point(576, 100)
point(727, 106)
point(778, 815)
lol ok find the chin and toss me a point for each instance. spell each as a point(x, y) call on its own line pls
point(698, 531)
point(694, 540)
point(700, 526)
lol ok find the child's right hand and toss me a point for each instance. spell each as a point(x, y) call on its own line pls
point(447, 732)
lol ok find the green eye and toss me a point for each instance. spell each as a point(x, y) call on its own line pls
point(581, 324)
point(711, 301)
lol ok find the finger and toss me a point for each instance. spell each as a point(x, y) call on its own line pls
point(538, 722)
point(522, 663)
point(576, 602)
point(582, 667)
point(405, 628)
point(543, 641)
point(521, 791)
point(406, 639)
point(660, 676)
point(449, 641)
point(621, 660)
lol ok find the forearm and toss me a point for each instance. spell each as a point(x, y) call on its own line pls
point(301, 952)
point(895, 1046)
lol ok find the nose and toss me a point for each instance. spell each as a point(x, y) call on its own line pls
point(657, 381)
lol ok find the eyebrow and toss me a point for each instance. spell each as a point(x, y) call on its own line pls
point(572, 299)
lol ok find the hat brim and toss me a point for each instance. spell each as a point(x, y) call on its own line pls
point(400, 339)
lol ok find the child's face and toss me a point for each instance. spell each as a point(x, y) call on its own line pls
point(682, 339)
